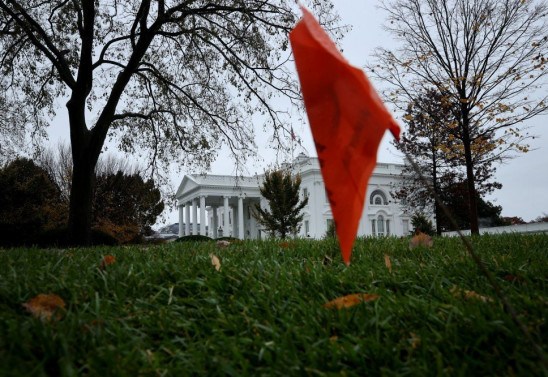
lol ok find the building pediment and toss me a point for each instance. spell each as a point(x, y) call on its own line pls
point(187, 185)
point(215, 187)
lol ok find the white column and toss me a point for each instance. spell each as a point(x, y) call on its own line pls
point(181, 220)
point(215, 222)
point(225, 215)
point(234, 220)
point(194, 217)
point(202, 216)
point(187, 219)
point(241, 218)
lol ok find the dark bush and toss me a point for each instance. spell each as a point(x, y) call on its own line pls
point(52, 238)
point(100, 238)
point(58, 238)
point(29, 203)
point(194, 238)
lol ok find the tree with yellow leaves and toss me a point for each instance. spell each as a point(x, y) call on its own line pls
point(489, 56)
point(433, 139)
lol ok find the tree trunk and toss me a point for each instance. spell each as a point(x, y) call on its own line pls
point(81, 196)
point(84, 157)
point(472, 202)
point(435, 184)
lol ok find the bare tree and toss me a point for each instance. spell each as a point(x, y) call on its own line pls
point(57, 163)
point(167, 80)
point(488, 55)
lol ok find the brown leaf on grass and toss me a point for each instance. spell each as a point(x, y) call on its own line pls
point(223, 244)
point(350, 300)
point(414, 340)
point(388, 262)
point(466, 294)
point(514, 278)
point(107, 261)
point(420, 239)
point(46, 307)
point(285, 245)
point(94, 325)
point(215, 262)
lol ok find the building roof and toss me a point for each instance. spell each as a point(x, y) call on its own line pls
point(194, 185)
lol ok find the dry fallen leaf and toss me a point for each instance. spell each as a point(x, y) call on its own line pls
point(414, 340)
point(215, 262)
point(466, 294)
point(94, 325)
point(284, 245)
point(107, 261)
point(514, 278)
point(350, 300)
point(387, 262)
point(421, 239)
point(222, 244)
point(475, 295)
point(44, 306)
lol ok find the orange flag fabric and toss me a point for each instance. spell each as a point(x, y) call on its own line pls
point(348, 120)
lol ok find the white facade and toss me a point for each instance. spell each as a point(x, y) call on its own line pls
point(226, 202)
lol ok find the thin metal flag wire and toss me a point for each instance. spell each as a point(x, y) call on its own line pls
point(469, 247)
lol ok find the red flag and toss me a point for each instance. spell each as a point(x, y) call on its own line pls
point(348, 120)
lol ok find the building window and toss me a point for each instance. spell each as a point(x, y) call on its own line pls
point(305, 192)
point(373, 227)
point(326, 196)
point(405, 227)
point(380, 225)
point(387, 227)
point(306, 228)
point(378, 198)
point(329, 223)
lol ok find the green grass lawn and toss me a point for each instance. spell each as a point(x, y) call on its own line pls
point(165, 310)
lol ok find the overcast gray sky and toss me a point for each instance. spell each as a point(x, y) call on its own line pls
point(524, 179)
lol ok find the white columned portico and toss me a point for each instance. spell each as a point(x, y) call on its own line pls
point(187, 219)
point(215, 222)
point(240, 218)
point(194, 217)
point(181, 220)
point(225, 217)
point(202, 216)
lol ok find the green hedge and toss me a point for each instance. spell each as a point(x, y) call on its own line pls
point(194, 238)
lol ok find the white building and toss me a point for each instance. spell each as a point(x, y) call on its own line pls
point(227, 202)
